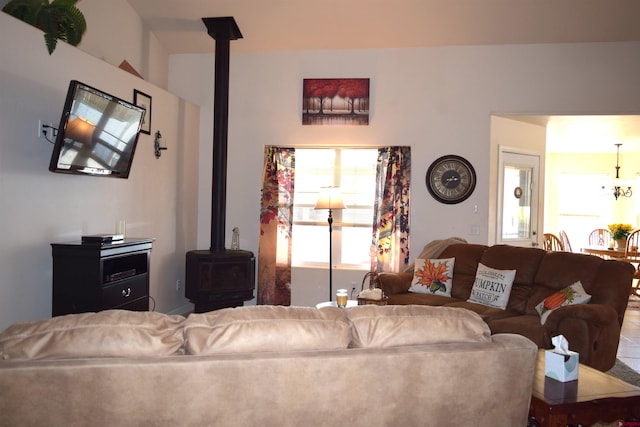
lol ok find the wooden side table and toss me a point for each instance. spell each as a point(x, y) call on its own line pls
point(594, 397)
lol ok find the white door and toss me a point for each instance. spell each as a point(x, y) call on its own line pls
point(518, 197)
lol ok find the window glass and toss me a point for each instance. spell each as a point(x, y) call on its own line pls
point(354, 171)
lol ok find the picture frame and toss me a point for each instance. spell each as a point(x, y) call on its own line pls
point(335, 101)
point(142, 100)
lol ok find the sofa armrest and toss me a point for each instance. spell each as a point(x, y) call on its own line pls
point(395, 283)
point(591, 330)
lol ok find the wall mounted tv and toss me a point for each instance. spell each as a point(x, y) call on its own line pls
point(98, 134)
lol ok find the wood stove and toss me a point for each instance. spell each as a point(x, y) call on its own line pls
point(219, 278)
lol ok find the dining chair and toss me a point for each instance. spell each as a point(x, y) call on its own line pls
point(633, 241)
point(600, 237)
point(632, 255)
point(565, 241)
point(552, 243)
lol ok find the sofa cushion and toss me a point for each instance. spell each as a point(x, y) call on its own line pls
point(464, 271)
point(266, 328)
point(408, 298)
point(560, 269)
point(110, 333)
point(525, 261)
point(492, 287)
point(433, 276)
point(527, 325)
point(573, 294)
point(395, 283)
point(487, 313)
point(400, 325)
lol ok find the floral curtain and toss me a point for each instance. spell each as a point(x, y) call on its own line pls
point(390, 244)
point(276, 220)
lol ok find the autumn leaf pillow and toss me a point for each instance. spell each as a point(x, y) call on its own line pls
point(574, 294)
point(433, 276)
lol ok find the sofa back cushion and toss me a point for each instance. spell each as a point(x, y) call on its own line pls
point(110, 333)
point(266, 328)
point(401, 325)
point(607, 281)
point(525, 261)
point(395, 283)
point(464, 270)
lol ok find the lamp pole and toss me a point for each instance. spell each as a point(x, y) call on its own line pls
point(330, 221)
point(330, 198)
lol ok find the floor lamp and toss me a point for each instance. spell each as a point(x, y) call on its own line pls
point(330, 198)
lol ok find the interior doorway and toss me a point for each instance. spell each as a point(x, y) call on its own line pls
point(577, 169)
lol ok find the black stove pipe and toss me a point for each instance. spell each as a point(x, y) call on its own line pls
point(222, 30)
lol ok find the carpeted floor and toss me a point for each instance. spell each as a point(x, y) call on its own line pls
point(625, 373)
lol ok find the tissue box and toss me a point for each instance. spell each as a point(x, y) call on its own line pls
point(561, 367)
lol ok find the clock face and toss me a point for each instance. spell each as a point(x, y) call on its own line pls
point(451, 179)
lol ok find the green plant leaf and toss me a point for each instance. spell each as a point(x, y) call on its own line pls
point(60, 19)
point(51, 41)
point(25, 10)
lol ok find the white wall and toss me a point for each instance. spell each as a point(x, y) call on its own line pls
point(115, 32)
point(39, 207)
point(437, 100)
point(622, 210)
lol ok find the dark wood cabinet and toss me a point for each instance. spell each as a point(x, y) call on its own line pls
point(95, 277)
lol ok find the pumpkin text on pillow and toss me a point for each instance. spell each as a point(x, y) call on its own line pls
point(433, 276)
point(574, 294)
point(492, 287)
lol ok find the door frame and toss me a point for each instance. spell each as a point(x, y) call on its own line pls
point(536, 196)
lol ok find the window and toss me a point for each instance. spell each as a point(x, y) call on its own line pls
point(584, 204)
point(354, 171)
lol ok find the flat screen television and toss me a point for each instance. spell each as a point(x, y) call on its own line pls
point(98, 134)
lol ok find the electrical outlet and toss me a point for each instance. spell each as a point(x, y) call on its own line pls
point(46, 130)
point(178, 285)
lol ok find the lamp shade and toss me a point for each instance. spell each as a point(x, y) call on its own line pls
point(80, 129)
point(330, 198)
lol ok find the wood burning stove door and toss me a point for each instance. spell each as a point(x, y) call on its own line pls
point(217, 280)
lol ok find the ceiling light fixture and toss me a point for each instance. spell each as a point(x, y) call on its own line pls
point(618, 184)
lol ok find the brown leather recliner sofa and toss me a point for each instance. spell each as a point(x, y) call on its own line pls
point(592, 329)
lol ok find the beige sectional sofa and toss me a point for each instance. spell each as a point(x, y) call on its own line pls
point(266, 366)
point(592, 329)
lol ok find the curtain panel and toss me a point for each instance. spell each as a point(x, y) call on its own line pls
point(276, 221)
point(390, 243)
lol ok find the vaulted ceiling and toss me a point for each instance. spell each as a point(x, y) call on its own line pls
point(276, 25)
point(288, 25)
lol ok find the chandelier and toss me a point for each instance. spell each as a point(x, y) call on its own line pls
point(618, 184)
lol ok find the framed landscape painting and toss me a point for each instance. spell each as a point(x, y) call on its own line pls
point(335, 102)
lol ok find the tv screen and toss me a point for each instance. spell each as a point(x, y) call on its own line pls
point(97, 135)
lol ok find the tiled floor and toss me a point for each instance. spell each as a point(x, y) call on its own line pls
point(629, 348)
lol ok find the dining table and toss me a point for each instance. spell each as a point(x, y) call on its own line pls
point(604, 251)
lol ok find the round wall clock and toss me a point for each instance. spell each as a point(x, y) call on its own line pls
point(451, 179)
